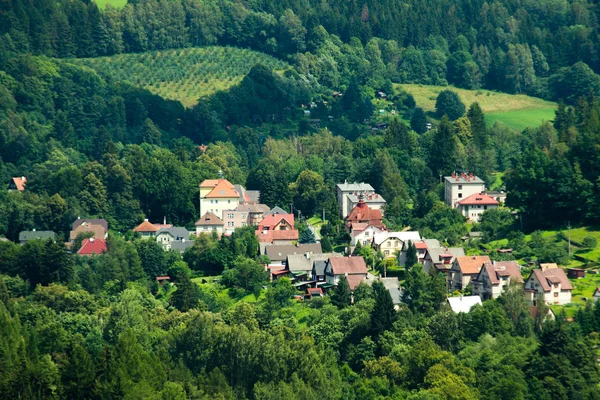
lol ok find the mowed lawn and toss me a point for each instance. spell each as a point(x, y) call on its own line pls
point(517, 111)
point(113, 3)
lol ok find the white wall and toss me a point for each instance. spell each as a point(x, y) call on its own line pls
point(456, 191)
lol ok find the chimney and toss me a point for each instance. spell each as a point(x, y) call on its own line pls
point(92, 239)
point(146, 220)
point(23, 178)
point(165, 220)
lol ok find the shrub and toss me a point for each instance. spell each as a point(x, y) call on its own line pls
point(589, 242)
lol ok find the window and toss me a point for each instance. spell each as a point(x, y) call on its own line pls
point(367, 233)
point(211, 201)
point(459, 187)
point(556, 285)
point(556, 294)
point(396, 243)
point(460, 195)
point(230, 223)
point(243, 215)
point(243, 224)
point(485, 207)
point(387, 252)
point(216, 201)
point(230, 216)
point(229, 201)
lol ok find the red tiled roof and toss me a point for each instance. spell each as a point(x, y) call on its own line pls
point(223, 188)
point(552, 275)
point(350, 265)
point(354, 281)
point(280, 272)
point(92, 246)
point(20, 182)
point(314, 291)
point(90, 221)
point(479, 199)
point(502, 268)
point(363, 213)
point(270, 236)
point(272, 220)
point(145, 227)
point(421, 245)
point(470, 265)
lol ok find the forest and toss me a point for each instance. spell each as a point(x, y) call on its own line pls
point(94, 146)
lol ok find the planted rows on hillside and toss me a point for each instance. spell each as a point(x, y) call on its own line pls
point(183, 74)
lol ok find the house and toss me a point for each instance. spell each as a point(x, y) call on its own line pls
point(464, 269)
point(92, 246)
point(217, 195)
point(361, 232)
point(247, 196)
point(373, 200)
point(421, 247)
point(243, 215)
point(284, 237)
point(476, 204)
point(209, 223)
point(148, 230)
point(318, 271)
point(576, 273)
point(354, 268)
point(363, 214)
point(276, 229)
point(393, 286)
point(89, 230)
point(302, 264)
point(463, 304)
point(440, 259)
point(495, 277)
point(276, 222)
point(163, 279)
point(182, 245)
point(166, 236)
point(390, 243)
point(458, 187)
point(343, 189)
point(17, 184)
point(597, 294)
point(499, 195)
point(550, 284)
point(90, 221)
point(26, 236)
point(314, 292)
point(278, 254)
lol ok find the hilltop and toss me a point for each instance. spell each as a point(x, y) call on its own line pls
point(516, 111)
point(183, 74)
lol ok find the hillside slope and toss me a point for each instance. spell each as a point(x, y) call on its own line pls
point(517, 111)
point(182, 74)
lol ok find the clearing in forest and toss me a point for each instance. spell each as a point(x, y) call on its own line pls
point(517, 111)
point(182, 74)
point(113, 3)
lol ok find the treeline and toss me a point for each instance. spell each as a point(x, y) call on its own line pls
point(517, 47)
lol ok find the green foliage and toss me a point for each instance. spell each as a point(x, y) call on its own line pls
point(589, 242)
point(383, 314)
point(411, 256)
point(448, 103)
point(341, 295)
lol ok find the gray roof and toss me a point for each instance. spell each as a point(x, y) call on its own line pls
point(253, 208)
point(276, 210)
point(458, 178)
point(392, 285)
point(319, 267)
point(251, 196)
point(369, 198)
point(299, 262)
point(355, 187)
point(280, 252)
point(435, 253)
point(176, 232)
point(32, 235)
point(181, 245)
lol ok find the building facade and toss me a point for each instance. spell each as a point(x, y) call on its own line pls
point(343, 189)
point(458, 187)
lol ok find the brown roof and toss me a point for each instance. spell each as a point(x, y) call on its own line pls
point(90, 221)
point(363, 213)
point(209, 219)
point(146, 227)
point(354, 280)
point(551, 276)
point(20, 182)
point(270, 236)
point(350, 265)
point(98, 231)
point(222, 188)
point(498, 269)
point(272, 220)
point(471, 265)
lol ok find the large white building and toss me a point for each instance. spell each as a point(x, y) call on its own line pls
point(217, 195)
point(476, 204)
point(344, 189)
point(459, 187)
point(495, 277)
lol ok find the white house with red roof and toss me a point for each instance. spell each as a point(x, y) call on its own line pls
point(476, 204)
point(91, 246)
point(148, 230)
point(17, 183)
point(276, 229)
point(363, 233)
point(458, 187)
point(550, 284)
point(362, 213)
point(217, 195)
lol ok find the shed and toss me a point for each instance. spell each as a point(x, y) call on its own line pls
point(576, 273)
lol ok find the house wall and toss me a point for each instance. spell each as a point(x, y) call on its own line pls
point(350, 204)
point(389, 247)
point(234, 219)
point(208, 229)
point(366, 236)
point(217, 205)
point(473, 213)
point(343, 202)
point(554, 296)
point(164, 239)
point(456, 191)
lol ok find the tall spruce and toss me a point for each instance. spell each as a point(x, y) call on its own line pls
point(479, 131)
point(383, 314)
point(411, 255)
point(342, 295)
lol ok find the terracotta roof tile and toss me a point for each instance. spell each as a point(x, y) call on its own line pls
point(90, 221)
point(223, 189)
point(354, 280)
point(92, 246)
point(272, 220)
point(550, 276)
point(270, 236)
point(363, 213)
point(20, 182)
point(350, 265)
point(209, 219)
point(470, 265)
point(479, 199)
point(145, 227)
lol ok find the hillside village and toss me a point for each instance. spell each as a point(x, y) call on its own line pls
point(315, 271)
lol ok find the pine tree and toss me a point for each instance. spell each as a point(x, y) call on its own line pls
point(479, 131)
point(411, 256)
point(383, 314)
point(444, 148)
point(186, 296)
point(418, 121)
point(341, 296)
point(150, 133)
point(63, 130)
point(307, 236)
point(326, 244)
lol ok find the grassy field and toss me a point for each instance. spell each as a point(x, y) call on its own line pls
point(182, 74)
point(515, 111)
point(113, 3)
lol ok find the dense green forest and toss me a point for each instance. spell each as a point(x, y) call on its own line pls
point(93, 146)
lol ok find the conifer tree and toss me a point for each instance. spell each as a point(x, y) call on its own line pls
point(383, 314)
point(479, 131)
point(342, 296)
point(411, 255)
